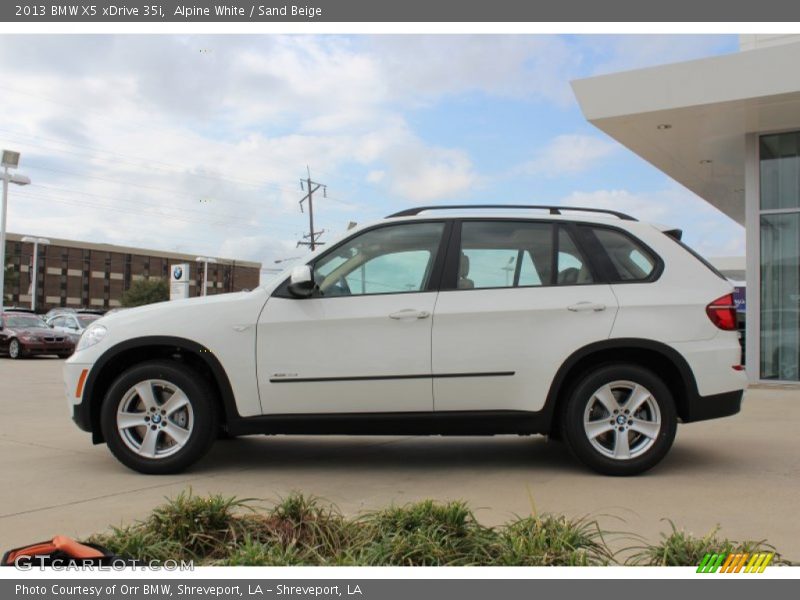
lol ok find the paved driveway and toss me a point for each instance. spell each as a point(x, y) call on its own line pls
point(742, 473)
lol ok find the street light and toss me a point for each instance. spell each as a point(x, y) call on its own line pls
point(205, 260)
point(10, 160)
point(35, 241)
point(282, 260)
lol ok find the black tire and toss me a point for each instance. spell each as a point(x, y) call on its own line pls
point(203, 419)
point(606, 452)
point(15, 349)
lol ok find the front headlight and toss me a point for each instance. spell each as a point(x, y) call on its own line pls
point(93, 335)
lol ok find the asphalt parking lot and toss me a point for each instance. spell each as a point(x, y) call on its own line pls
point(741, 473)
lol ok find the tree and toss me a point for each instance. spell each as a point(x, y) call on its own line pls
point(145, 291)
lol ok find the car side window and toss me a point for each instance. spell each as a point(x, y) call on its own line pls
point(387, 260)
point(572, 266)
point(631, 260)
point(497, 254)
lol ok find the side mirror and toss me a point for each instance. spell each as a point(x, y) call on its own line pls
point(301, 282)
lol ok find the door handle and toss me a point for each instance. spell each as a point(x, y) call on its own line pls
point(586, 306)
point(410, 313)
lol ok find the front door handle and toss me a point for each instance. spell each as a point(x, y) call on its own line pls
point(410, 313)
point(585, 306)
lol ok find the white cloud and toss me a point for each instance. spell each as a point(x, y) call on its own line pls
point(626, 52)
point(569, 154)
point(197, 142)
point(706, 229)
point(423, 174)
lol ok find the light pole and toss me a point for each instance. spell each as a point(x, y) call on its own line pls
point(35, 241)
point(205, 260)
point(10, 160)
point(290, 258)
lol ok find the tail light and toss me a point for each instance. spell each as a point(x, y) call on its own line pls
point(722, 312)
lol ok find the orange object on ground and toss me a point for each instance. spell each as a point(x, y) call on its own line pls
point(60, 544)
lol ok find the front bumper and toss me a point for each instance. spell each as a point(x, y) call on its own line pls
point(47, 347)
point(75, 376)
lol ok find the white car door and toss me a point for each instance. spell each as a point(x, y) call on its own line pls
point(59, 324)
point(525, 299)
point(362, 344)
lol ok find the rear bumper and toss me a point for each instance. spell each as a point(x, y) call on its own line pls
point(713, 407)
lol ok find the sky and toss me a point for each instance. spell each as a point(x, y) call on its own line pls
point(197, 144)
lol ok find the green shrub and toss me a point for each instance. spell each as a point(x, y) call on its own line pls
point(145, 291)
point(299, 530)
point(425, 534)
point(552, 540)
point(679, 548)
point(192, 527)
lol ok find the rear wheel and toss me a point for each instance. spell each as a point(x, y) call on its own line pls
point(158, 418)
point(620, 420)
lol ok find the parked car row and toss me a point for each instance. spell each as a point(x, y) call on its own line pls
point(23, 333)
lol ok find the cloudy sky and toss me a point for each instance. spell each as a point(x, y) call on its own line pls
point(197, 143)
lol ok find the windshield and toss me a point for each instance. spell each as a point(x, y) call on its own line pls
point(86, 320)
point(23, 321)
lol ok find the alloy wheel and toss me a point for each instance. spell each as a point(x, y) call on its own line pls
point(155, 419)
point(622, 420)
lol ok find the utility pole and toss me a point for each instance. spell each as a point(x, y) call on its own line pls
point(312, 236)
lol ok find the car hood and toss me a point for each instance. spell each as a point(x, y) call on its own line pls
point(162, 316)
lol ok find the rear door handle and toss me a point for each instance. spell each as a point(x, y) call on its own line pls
point(410, 313)
point(585, 306)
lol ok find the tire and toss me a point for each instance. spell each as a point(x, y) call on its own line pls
point(167, 428)
point(15, 350)
point(634, 442)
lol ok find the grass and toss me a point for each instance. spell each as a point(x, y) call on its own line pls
point(302, 530)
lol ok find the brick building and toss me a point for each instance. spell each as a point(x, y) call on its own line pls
point(84, 274)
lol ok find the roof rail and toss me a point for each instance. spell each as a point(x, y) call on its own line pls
point(554, 210)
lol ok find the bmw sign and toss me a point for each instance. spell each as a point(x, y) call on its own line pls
point(179, 281)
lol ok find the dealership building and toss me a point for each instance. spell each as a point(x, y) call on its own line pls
point(89, 275)
point(728, 128)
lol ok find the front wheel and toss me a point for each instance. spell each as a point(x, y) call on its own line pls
point(14, 349)
point(158, 418)
point(620, 420)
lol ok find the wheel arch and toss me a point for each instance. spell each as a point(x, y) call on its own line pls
point(664, 361)
point(124, 355)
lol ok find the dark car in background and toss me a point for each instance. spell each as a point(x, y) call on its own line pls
point(25, 334)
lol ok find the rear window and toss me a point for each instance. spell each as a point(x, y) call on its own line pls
point(630, 259)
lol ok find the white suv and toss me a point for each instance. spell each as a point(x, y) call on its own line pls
point(582, 324)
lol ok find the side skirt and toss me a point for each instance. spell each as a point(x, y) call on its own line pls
point(411, 423)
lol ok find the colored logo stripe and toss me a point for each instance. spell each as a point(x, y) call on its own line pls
point(734, 562)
